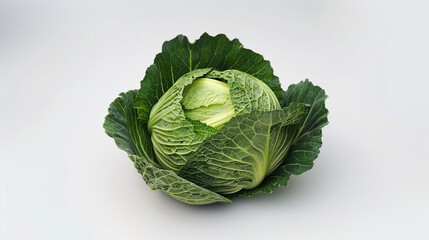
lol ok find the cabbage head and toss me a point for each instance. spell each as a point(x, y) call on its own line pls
point(211, 122)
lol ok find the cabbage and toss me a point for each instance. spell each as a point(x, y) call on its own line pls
point(210, 122)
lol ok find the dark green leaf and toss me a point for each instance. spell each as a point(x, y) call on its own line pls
point(131, 135)
point(305, 148)
point(178, 57)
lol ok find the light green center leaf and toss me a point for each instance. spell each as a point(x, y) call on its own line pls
point(208, 100)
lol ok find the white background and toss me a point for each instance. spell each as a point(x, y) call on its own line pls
point(63, 62)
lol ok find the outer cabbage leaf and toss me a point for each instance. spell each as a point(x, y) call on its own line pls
point(308, 141)
point(241, 153)
point(178, 57)
point(175, 186)
point(131, 135)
